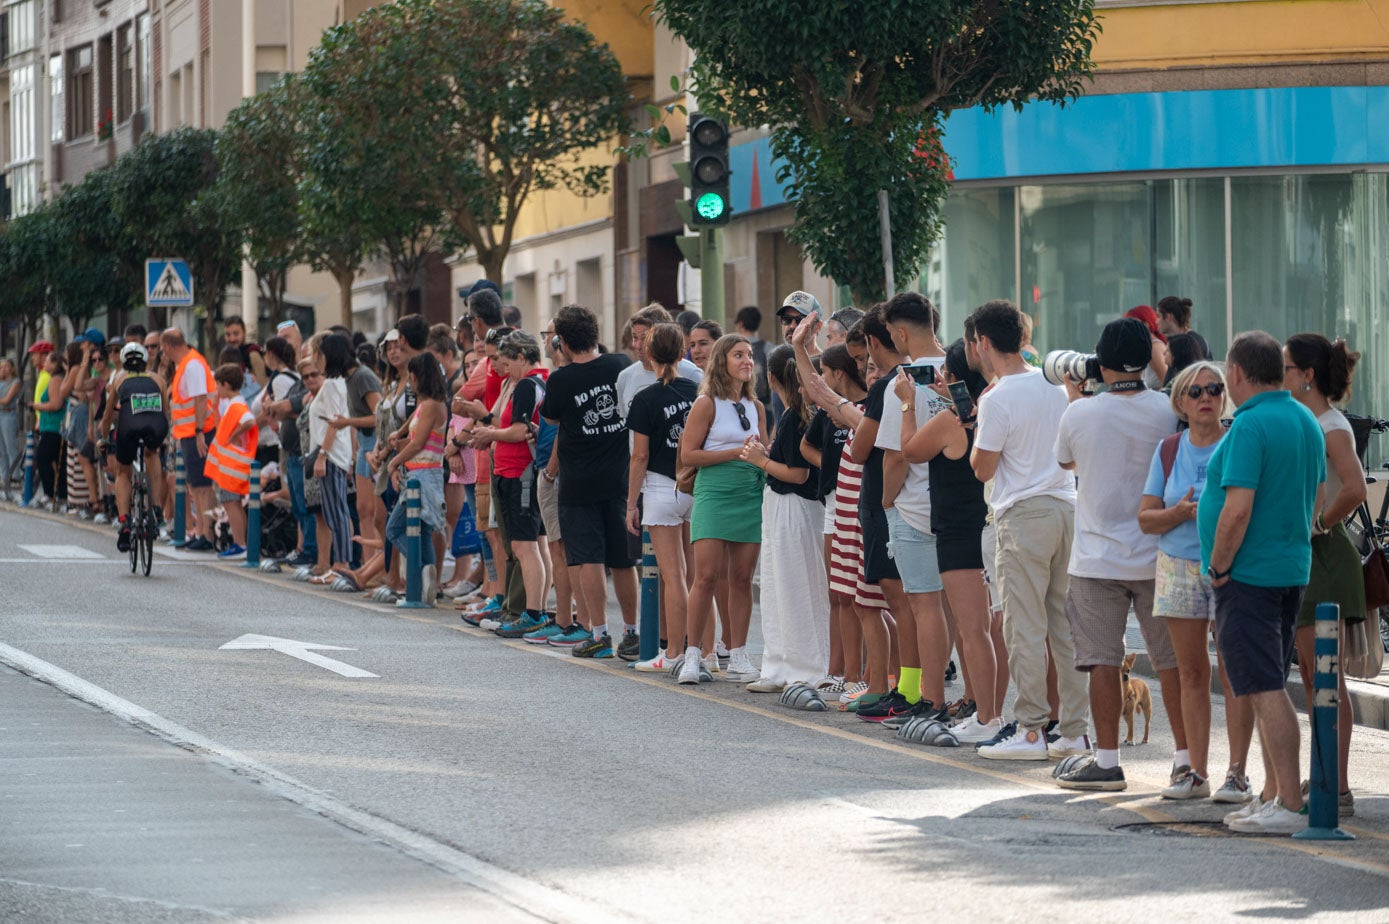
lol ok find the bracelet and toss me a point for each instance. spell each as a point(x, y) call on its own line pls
point(842, 402)
point(1319, 526)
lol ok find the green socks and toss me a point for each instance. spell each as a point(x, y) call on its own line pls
point(909, 684)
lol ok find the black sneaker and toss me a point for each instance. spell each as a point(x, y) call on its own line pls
point(893, 704)
point(962, 709)
point(123, 537)
point(1090, 776)
point(950, 673)
point(1003, 735)
point(923, 708)
point(1053, 735)
point(629, 649)
point(199, 544)
point(600, 646)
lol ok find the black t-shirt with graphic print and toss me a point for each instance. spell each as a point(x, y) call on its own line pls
point(592, 441)
point(658, 412)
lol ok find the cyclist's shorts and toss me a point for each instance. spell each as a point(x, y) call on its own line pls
point(150, 435)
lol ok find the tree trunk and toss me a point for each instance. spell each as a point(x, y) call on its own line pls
point(492, 260)
point(345, 279)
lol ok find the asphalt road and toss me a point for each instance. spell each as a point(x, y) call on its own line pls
point(476, 778)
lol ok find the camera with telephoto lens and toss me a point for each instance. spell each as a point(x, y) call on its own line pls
point(1081, 367)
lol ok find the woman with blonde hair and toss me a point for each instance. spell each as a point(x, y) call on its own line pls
point(727, 515)
point(1183, 594)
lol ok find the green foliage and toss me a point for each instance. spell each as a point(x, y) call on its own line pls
point(259, 165)
point(92, 264)
point(473, 104)
point(857, 94)
point(25, 250)
point(163, 200)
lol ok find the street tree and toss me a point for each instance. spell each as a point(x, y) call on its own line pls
point(857, 97)
point(93, 266)
point(162, 197)
point(25, 264)
point(259, 169)
point(369, 186)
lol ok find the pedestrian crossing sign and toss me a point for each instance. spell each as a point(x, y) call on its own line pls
point(168, 283)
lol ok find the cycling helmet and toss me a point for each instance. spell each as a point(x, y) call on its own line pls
point(134, 356)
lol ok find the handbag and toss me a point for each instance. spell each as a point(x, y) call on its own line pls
point(1362, 655)
point(1374, 564)
point(466, 539)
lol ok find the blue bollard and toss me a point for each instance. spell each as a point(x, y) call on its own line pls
point(1323, 804)
point(650, 626)
point(414, 578)
point(28, 467)
point(489, 566)
point(253, 520)
point(180, 502)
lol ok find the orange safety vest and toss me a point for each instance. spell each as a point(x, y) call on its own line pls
point(228, 465)
point(184, 416)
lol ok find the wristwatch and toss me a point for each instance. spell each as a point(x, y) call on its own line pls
point(908, 406)
point(1215, 575)
point(488, 419)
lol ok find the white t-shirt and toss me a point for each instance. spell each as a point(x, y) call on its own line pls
point(331, 402)
point(1111, 439)
point(1331, 421)
point(914, 500)
point(224, 403)
point(1018, 418)
point(636, 377)
point(194, 381)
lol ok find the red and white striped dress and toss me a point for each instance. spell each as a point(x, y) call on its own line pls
point(846, 545)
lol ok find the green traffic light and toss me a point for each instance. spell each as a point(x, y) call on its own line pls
point(710, 206)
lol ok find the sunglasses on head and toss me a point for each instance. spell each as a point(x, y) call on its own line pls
point(1214, 389)
point(743, 416)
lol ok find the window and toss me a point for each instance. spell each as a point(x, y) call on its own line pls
point(145, 56)
point(21, 26)
point(55, 82)
point(125, 74)
point(23, 175)
point(81, 93)
point(267, 79)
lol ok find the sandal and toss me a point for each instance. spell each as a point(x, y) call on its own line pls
point(325, 579)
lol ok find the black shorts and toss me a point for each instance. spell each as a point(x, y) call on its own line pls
point(877, 564)
point(130, 439)
point(955, 552)
point(194, 464)
point(596, 534)
point(1254, 628)
point(518, 506)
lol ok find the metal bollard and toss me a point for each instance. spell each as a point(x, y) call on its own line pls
point(180, 502)
point(489, 566)
point(414, 578)
point(253, 520)
point(650, 626)
point(28, 467)
point(1323, 804)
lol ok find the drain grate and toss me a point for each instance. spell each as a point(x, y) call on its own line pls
point(1177, 828)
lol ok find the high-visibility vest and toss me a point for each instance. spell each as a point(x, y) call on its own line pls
point(184, 417)
point(228, 464)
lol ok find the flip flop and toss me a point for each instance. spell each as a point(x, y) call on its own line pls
point(325, 579)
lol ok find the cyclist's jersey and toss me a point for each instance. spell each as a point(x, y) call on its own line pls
point(139, 404)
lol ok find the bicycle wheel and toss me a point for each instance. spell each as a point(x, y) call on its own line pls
point(137, 501)
point(147, 533)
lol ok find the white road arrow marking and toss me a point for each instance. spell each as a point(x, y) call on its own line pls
point(304, 651)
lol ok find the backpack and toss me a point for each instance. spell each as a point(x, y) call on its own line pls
point(1167, 452)
point(542, 431)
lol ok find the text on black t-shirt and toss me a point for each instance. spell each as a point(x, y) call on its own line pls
point(658, 412)
point(582, 399)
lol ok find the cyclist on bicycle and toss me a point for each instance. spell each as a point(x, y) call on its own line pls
point(136, 401)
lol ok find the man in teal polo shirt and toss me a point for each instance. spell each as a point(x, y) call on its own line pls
point(1255, 522)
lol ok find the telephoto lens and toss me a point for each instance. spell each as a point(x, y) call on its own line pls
point(1079, 366)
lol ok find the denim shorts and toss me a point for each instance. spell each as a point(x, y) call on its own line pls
point(365, 444)
point(914, 553)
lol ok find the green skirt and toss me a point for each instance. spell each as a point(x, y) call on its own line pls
point(1337, 577)
point(728, 503)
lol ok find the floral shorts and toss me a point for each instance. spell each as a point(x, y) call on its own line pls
point(1182, 591)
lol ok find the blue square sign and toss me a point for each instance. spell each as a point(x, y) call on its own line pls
point(168, 284)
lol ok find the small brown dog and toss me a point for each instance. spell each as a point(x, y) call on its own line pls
point(1136, 696)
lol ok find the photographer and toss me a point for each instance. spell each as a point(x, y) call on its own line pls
point(1108, 441)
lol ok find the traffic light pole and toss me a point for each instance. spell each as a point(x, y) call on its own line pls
point(711, 274)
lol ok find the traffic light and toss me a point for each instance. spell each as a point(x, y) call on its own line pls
point(710, 203)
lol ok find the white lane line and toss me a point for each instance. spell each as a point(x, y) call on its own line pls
point(531, 897)
point(83, 561)
point(62, 551)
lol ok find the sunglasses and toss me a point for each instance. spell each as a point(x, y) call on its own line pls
point(313, 375)
point(790, 320)
point(1214, 389)
point(743, 416)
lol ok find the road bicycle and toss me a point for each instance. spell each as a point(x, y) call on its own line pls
point(143, 526)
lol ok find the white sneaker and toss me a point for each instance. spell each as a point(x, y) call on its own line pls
point(489, 623)
point(657, 665)
point(740, 667)
point(972, 731)
point(1272, 818)
point(852, 690)
point(1024, 744)
point(766, 685)
point(1069, 747)
point(101, 519)
point(711, 663)
point(1188, 785)
point(690, 669)
point(1249, 808)
point(463, 589)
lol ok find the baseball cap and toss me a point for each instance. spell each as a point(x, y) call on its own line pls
point(1125, 345)
point(41, 346)
point(91, 335)
point(803, 303)
point(478, 287)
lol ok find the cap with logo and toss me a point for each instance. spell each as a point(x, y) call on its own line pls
point(803, 303)
point(1125, 345)
point(91, 335)
point(41, 346)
